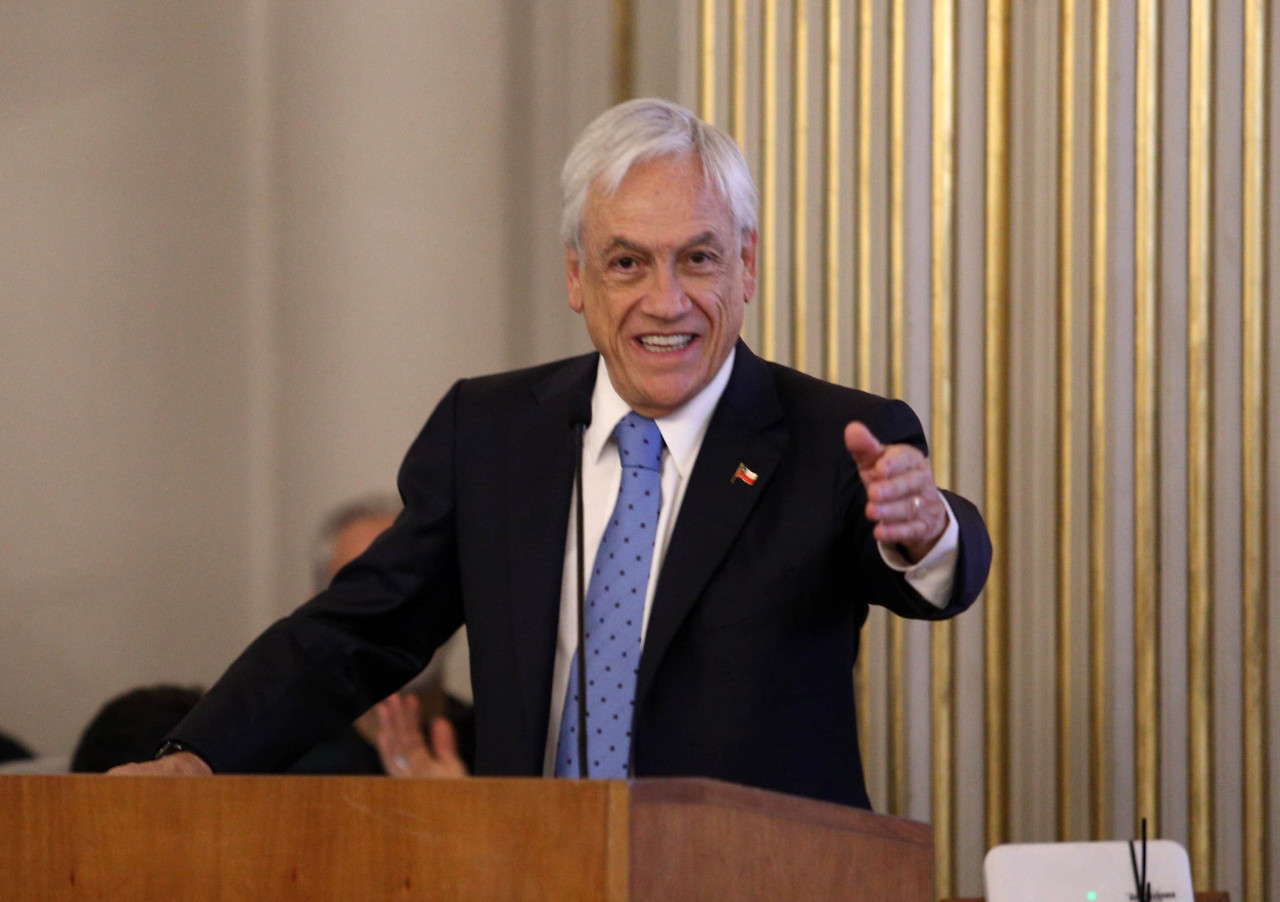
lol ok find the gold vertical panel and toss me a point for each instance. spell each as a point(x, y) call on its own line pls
point(1146, 475)
point(831, 234)
point(899, 773)
point(623, 50)
point(707, 69)
point(831, 290)
point(866, 84)
point(1200, 730)
point(943, 401)
point(897, 200)
point(1099, 795)
point(899, 766)
point(942, 260)
point(1066, 401)
point(800, 187)
point(1253, 444)
point(769, 179)
point(996, 425)
point(739, 64)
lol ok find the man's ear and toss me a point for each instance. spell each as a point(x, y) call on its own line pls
point(750, 243)
point(573, 277)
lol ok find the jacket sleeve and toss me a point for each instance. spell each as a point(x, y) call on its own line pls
point(893, 422)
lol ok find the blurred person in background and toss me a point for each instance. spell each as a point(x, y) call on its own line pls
point(391, 736)
point(12, 750)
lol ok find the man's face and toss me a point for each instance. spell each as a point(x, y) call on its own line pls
point(662, 280)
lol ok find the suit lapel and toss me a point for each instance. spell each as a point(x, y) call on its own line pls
point(746, 428)
point(539, 486)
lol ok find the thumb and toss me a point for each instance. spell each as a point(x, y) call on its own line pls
point(864, 447)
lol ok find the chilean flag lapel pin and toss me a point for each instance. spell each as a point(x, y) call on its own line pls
point(745, 474)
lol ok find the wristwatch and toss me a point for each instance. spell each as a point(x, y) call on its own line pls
point(172, 746)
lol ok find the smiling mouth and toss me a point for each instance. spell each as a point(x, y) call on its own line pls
point(663, 343)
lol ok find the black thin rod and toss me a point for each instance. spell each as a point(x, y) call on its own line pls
point(582, 618)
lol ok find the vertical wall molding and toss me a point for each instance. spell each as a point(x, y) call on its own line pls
point(738, 63)
point(996, 478)
point(1099, 491)
point(624, 44)
point(1146, 465)
point(769, 237)
point(1254, 445)
point(800, 185)
point(707, 69)
point(1066, 407)
point(866, 125)
point(942, 395)
point(1200, 731)
point(899, 771)
point(829, 83)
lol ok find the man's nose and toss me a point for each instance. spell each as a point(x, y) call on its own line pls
point(667, 297)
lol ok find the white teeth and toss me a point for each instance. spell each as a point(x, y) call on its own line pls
point(665, 342)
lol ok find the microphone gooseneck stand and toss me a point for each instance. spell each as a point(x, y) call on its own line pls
point(580, 428)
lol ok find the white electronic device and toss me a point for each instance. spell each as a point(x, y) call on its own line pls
point(1086, 872)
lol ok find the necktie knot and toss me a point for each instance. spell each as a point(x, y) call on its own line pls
point(639, 442)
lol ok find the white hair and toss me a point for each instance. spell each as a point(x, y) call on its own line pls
point(641, 130)
point(374, 506)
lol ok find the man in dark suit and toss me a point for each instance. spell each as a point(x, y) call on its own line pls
point(782, 507)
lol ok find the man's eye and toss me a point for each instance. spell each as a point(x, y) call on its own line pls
point(702, 258)
point(626, 264)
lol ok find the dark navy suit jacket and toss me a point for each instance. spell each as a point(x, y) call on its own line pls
point(746, 670)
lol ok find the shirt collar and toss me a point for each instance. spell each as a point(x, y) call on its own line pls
point(682, 430)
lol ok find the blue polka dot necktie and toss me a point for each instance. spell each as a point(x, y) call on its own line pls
point(614, 609)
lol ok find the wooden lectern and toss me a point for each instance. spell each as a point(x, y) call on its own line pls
point(349, 838)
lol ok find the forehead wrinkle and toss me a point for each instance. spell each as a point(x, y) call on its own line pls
point(620, 242)
point(699, 203)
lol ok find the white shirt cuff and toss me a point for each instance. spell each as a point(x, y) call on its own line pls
point(934, 575)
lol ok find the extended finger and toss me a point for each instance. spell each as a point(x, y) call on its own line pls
point(412, 708)
point(895, 460)
point(902, 533)
point(902, 486)
point(444, 741)
point(384, 714)
point(400, 731)
point(908, 509)
point(391, 713)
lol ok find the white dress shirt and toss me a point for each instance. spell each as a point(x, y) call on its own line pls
point(682, 435)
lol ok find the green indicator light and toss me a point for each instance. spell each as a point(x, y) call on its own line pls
point(1092, 897)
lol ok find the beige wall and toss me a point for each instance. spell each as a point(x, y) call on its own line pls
point(124, 493)
point(245, 247)
point(390, 198)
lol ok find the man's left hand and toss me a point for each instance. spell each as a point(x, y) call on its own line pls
point(902, 498)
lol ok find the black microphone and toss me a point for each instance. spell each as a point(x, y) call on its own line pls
point(579, 420)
